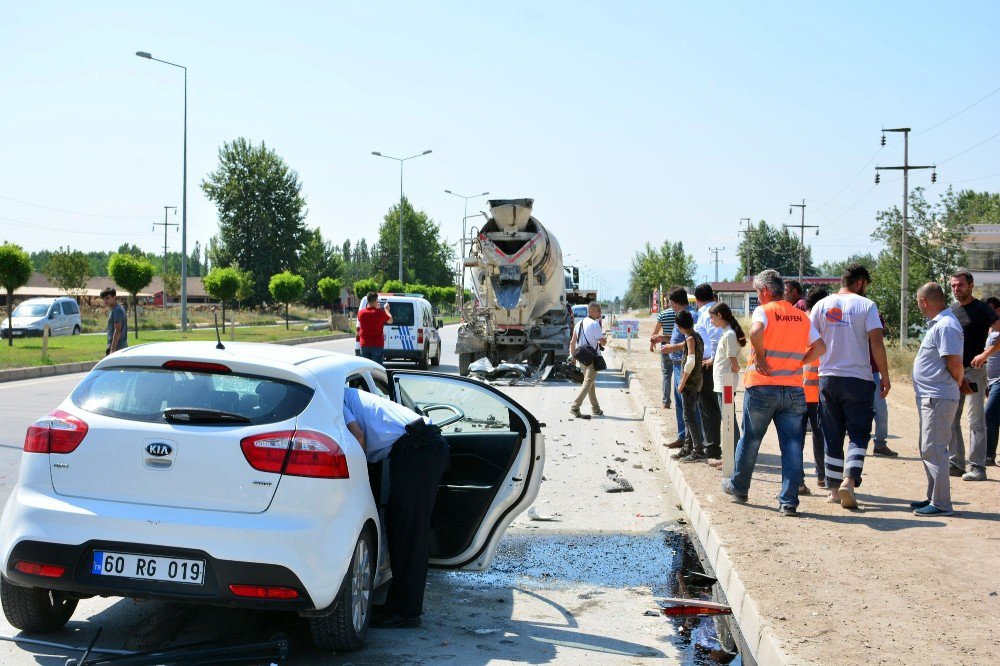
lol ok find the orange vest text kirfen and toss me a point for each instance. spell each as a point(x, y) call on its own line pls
point(786, 340)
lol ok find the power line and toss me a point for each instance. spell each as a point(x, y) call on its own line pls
point(74, 212)
point(955, 115)
point(970, 148)
point(31, 225)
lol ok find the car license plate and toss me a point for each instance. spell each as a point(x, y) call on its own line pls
point(148, 567)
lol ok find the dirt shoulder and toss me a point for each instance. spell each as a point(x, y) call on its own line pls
point(873, 586)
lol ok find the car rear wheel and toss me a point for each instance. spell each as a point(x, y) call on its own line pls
point(464, 361)
point(424, 361)
point(76, 330)
point(35, 609)
point(345, 629)
point(437, 358)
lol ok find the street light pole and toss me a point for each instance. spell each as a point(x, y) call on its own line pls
point(184, 257)
point(400, 160)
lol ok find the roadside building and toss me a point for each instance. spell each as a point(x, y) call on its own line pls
point(982, 246)
point(742, 299)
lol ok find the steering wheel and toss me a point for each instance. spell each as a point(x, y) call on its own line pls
point(457, 414)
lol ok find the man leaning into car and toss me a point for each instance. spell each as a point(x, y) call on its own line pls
point(417, 455)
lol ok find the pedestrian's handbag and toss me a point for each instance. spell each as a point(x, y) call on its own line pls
point(600, 363)
point(585, 354)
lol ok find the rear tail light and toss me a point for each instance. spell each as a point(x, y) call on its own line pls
point(298, 453)
point(262, 592)
point(58, 432)
point(420, 336)
point(37, 569)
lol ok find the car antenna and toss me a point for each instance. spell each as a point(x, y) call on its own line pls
point(217, 336)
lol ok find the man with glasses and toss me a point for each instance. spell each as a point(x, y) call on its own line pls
point(849, 325)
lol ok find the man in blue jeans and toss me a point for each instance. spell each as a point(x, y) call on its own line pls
point(677, 300)
point(782, 340)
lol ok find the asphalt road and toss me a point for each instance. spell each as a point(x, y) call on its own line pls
point(568, 590)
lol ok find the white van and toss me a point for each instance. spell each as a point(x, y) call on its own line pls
point(61, 315)
point(413, 334)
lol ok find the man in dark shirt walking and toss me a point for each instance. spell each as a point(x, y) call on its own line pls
point(117, 322)
point(977, 320)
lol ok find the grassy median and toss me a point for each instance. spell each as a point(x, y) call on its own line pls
point(27, 352)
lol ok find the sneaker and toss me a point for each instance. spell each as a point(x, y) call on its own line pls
point(847, 498)
point(681, 453)
point(955, 471)
point(666, 405)
point(821, 482)
point(991, 462)
point(676, 444)
point(575, 411)
point(884, 451)
point(930, 510)
point(919, 505)
point(713, 452)
point(804, 490)
point(694, 456)
point(597, 412)
point(727, 487)
point(789, 510)
point(975, 473)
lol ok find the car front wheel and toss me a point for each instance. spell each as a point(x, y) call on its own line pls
point(345, 629)
point(35, 609)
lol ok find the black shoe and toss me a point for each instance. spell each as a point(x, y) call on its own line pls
point(694, 456)
point(919, 505)
point(955, 471)
point(713, 452)
point(789, 510)
point(681, 453)
point(991, 462)
point(395, 622)
point(884, 451)
point(727, 487)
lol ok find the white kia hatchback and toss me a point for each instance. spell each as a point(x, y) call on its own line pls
point(227, 476)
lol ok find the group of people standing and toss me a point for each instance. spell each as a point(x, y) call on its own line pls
point(819, 363)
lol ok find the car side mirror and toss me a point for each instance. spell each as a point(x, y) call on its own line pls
point(52, 315)
point(440, 323)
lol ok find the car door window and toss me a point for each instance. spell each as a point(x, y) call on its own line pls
point(461, 407)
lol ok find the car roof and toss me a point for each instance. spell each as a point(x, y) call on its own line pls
point(46, 299)
point(296, 363)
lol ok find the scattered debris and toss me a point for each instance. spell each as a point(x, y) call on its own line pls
point(651, 613)
point(689, 607)
point(620, 459)
point(617, 484)
point(534, 515)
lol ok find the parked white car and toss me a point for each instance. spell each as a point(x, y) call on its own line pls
point(61, 315)
point(227, 476)
point(413, 334)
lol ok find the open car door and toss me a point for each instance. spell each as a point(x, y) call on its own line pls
point(496, 455)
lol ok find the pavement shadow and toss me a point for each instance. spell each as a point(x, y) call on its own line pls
point(877, 523)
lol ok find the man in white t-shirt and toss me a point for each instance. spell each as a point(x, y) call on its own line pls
point(588, 333)
point(848, 323)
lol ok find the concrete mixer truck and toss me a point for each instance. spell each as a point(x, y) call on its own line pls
point(518, 312)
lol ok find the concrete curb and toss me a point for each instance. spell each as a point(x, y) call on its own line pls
point(765, 645)
point(35, 372)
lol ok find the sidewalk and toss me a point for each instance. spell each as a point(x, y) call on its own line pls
point(875, 586)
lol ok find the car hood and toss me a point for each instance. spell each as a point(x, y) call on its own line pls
point(23, 322)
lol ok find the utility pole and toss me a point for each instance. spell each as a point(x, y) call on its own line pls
point(716, 251)
point(749, 244)
point(802, 226)
point(165, 224)
point(904, 282)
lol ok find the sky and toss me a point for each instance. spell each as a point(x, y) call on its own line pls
point(627, 122)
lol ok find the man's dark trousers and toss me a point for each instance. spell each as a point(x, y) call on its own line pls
point(416, 463)
point(711, 416)
point(846, 408)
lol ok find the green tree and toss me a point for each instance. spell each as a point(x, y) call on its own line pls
point(133, 274)
point(319, 259)
point(245, 292)
point(15, 271)
point(427, 258)
point(68, 269)
point(765, 246)
point(835, 268)
point(392, 286)
point(171, 285)
point(653, 267)
point(362, 287)
point(286, 287)
point(329, 289)
point(935, 233)
point(261, 212)
point(223, 284)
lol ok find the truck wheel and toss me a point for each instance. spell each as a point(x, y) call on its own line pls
point(35, 609)
point(436, 361)
point(464, 361)
point(424, 361)
point(345, 629)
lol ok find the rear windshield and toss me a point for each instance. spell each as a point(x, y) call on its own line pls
point(142, 394)
point(402, 313)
